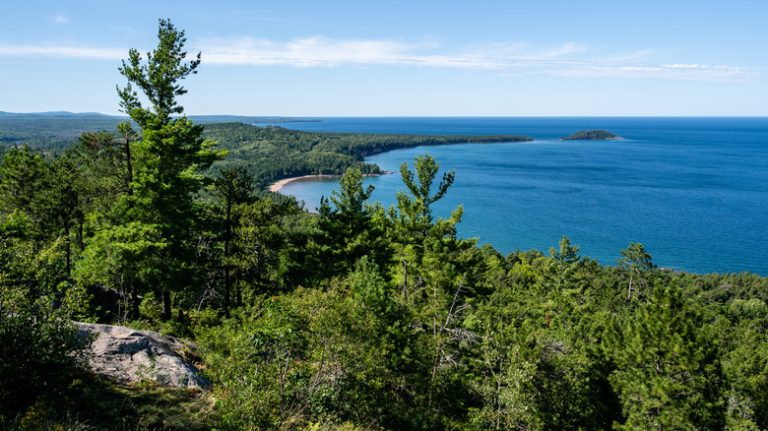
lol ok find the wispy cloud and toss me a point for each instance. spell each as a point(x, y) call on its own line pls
point(61, 18)
point(324, 52)
point(571, 60)
point(307, 52)
point(62, 51)
point(679, 71)
point(517, 58)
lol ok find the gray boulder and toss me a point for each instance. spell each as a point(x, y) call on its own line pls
point(130, 356)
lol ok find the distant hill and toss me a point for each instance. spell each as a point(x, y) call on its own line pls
point(65, 115)
point(51, 131)
point(57, 130)
point(207, 119)
point(54, 114)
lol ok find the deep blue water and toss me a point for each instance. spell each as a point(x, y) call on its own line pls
point(694, 191)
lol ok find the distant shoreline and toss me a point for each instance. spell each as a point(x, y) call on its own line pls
point(278, 185)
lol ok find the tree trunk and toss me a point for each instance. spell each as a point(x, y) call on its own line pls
point(226, 291)
point(68, 245)
point(405, 279)
point(227, 236)
point(81, 242)
point(166, 305)
point(129, 173)
point(135, 315)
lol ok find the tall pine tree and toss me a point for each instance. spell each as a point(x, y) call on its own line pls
point(170, 158)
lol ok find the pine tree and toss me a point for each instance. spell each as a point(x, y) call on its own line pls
point(24, 178)
point(233, 187)
point(636, 262)
point(668, 372)
point(170, 157)
point(415, 211)
point(348, 229)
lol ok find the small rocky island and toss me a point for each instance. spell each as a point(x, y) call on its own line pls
point(592, 135)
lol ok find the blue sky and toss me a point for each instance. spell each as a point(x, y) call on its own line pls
point(402, 58)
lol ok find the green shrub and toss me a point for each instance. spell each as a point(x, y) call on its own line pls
point(38, 355)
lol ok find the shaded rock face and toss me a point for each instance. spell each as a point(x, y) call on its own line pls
point(130, 356)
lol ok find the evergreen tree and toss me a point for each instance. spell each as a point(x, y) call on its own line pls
point(170, 158)
point(24, 181)
point(413, 228)
point(415, 211)
point(668, 373)
point(636, 262)
point(348, 229)
point(234, 186)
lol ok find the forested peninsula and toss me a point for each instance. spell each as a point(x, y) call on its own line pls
point(268, 152)
point(272, 153)
point(232, 308)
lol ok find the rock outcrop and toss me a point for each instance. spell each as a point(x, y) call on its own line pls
point(130, 356)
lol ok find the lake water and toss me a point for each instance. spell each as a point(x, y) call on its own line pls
point(694, 191)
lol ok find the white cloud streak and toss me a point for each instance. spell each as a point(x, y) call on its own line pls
point(570, 60)
point(323, 52)
point(567, 60)
point(62, 51)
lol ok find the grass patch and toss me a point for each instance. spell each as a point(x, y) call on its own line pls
point(92, 403)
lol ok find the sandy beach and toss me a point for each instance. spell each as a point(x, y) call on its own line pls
point(278, 185)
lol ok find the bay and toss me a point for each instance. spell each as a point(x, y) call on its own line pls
point(694, 191)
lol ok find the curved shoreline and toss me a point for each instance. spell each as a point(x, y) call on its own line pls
point(278, 185)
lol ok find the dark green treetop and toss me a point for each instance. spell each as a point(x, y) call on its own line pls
point(159, 77)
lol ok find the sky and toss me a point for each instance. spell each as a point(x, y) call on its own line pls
point(401, 58)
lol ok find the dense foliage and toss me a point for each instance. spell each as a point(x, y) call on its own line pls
point(358, 317)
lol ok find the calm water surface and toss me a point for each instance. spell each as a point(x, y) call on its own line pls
point(694, 191)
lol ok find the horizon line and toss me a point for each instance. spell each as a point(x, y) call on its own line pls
point(283, 116)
